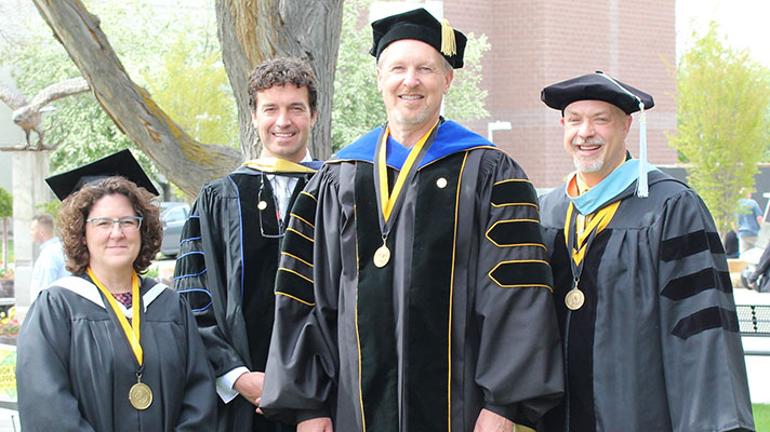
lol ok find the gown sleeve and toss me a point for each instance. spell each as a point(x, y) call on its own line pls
point(703, 357)
point(46, 400)
point(302, 366)
point(199, 276)
point(199, 404)
point(519, 356)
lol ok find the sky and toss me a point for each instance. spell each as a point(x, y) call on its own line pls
point(744, 23)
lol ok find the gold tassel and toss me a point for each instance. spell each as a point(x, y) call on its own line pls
point(448, 44)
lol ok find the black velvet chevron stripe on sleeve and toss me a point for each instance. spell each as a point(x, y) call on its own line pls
point(295, 273)
point(705, 319)
point(304, 208)
point(190, 270)
point(515, 232)
point(522, 273)
point(690, 244)
point(513, 192)
point(694, 283)
point(298, 246)
point(294, 285)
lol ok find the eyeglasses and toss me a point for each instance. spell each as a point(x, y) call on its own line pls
point(262, 207)
point(126, 223)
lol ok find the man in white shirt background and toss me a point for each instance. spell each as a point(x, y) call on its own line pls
point(49, 265)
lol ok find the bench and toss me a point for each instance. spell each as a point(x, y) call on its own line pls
point(754, 321)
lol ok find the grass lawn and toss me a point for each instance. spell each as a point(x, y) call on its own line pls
point(762, 417)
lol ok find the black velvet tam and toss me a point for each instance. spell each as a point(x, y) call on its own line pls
point(595, 86)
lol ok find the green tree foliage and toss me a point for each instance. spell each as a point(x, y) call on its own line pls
point(6, 211)
point(193, 89)
point(465, 100)
point(722, 121)
point(50, 207)
point(6, 203)
point(358, 105)
point(186, 77)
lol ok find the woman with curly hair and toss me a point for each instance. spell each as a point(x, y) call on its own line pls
point(106, 349)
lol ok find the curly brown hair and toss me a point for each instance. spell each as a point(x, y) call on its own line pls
point(75, 209)
point(279, 72)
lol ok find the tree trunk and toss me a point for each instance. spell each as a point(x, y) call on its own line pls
point(250, 31)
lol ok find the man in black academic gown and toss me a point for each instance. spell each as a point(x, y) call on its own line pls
point(642, 289)
point(413, 293)
point(230, 245)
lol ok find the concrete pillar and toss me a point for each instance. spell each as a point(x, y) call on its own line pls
point(29, 190)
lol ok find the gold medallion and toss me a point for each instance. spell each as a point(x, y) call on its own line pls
point(574, 299)
point(381, 256)
point(262, 205)
point(140, 396)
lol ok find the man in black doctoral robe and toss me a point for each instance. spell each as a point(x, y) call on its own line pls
point(428, 308)
point(642, 290)
point(229, 250)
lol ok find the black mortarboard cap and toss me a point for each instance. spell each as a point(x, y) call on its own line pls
point(420, 25)
point(121, 164)
point(595, 86)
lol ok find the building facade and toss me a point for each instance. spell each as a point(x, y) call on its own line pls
point(538, 42)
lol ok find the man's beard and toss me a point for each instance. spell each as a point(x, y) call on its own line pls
point(592, 165)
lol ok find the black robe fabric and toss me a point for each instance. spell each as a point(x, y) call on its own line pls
point(74, 367)
point(226, 269)
point(460, 319)
point(655, 347)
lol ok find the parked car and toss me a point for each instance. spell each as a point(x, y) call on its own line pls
point(172, 217)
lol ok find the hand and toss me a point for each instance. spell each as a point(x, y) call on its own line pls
point(249, 385)
point(321, 424)
point(491, 422)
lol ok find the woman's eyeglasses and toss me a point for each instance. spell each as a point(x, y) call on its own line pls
point(126, 224)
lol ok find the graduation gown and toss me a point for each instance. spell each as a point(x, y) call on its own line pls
point(459, 319)
point(226, 268)
point(655, 347)
point(74, 366)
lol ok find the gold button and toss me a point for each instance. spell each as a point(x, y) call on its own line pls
point(441, 183)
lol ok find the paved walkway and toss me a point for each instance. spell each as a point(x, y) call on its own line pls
point(757, 367)
point(9, 421)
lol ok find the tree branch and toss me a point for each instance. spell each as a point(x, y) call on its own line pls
point(185, 161)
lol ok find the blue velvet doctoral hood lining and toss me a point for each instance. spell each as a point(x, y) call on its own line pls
point(451, 138)
point(612, 185)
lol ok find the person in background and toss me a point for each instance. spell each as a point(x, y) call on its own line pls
point(107, 349)
point(749, 220)
point(731, 244)
point(49, 265)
